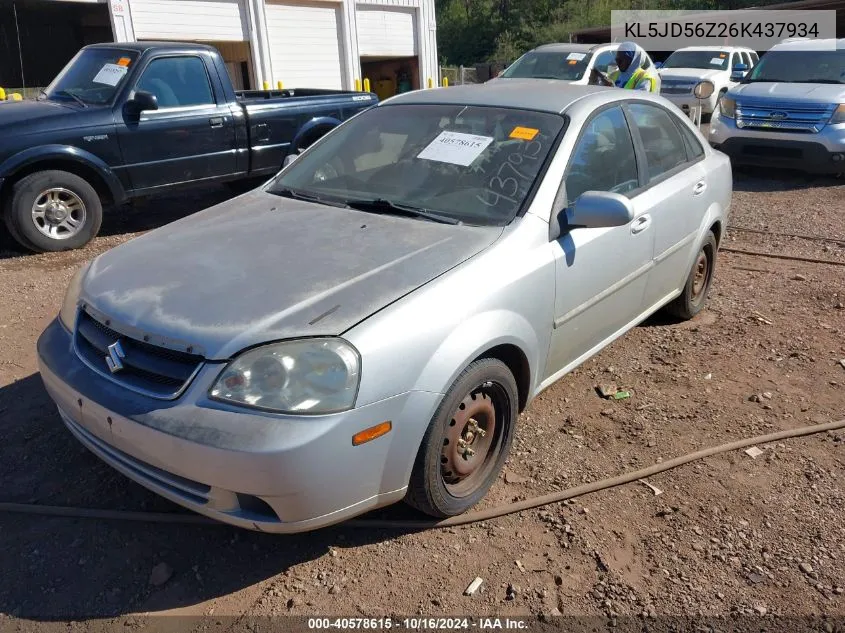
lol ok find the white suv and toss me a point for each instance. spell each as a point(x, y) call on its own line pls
point(571, 63)
point(686, 67)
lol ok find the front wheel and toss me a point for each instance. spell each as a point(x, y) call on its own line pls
point(467, 441)
point(694, 295)
point(53, 211)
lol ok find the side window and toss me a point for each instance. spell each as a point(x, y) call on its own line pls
point(746, 59)
point(754, 58)
point(604, 158)
point(177, 81)
point(693, 145)
point(664, 146)
point(603, 60)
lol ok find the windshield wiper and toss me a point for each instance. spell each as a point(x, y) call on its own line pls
point(72, 96)
point(381, 205)
point(287, 192)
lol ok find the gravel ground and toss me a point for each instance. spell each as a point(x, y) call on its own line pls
point(728, 536)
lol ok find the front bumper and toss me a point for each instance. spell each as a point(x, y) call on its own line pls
point(251, 469)
point(822, 153)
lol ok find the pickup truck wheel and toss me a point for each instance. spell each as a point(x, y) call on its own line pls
point(467, 441)
point(694, 296)
point(53, 211)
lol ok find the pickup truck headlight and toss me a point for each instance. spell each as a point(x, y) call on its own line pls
point(306, 376)
point(838, 114)
point(70, 305)
point(727, 107)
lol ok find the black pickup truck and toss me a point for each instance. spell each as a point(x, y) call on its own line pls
point(127, 120)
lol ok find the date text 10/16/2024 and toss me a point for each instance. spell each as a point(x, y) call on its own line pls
point(418, 623)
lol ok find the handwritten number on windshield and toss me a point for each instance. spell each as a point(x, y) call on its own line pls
point(505, 184)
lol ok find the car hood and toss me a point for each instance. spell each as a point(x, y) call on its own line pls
point(260, 268)
point(816, 93)
point(34, 113)
point(689, 73)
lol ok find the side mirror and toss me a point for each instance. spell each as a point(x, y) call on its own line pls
point(739, 71)
point(142, 101)
point(599, 209)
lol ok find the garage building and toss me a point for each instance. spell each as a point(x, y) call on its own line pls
point(335, 44)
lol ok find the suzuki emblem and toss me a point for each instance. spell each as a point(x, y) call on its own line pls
point(778, 116)
point(115, 358)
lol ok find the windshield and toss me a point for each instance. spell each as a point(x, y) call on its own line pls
point(93, 76)
point(565, 65)
point(800, 66)
point(711, 60)
point(470, 164)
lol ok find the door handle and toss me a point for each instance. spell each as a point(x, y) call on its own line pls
point(216, 121)
point(699, 188)
point(641, 224)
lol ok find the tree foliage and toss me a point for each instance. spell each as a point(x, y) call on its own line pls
point(471, 31)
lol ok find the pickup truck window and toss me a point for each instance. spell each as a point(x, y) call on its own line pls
point(177, 82)
point(796, 66)
point(93, 76)
point(471, 164)
point(711, 60)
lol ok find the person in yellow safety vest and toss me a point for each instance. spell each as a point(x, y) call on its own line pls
point(634, 72)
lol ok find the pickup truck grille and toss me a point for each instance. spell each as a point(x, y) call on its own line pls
point(677, 86)
point(148, 369)
point(808, 118)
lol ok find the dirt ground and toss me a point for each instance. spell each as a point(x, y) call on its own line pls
point(728, 536)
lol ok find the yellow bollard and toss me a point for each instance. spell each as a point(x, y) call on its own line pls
point(280, 85)
point(366, 85)
point(445, 82)
point(357, 85)
point(430, 83)
point(15, 96)
point(266, 85)
point(2, 95)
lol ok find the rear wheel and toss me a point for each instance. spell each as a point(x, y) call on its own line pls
point(694, 295)
point(53, 211)
point(467, 441)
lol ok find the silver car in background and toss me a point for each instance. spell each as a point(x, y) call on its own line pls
point(367, 326)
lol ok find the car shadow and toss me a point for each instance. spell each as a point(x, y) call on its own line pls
point(143, 214)
point(73, 569)
point(765, 179)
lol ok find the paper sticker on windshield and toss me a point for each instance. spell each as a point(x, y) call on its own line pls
point(110, 75)
point(455, 148)
point(524, 133)
point(124, 61)
point(717, 60)
point(576, 56)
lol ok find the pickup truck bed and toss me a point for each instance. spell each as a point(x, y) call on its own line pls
point(134, 119)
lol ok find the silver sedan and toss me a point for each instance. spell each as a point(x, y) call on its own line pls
point(367, 326)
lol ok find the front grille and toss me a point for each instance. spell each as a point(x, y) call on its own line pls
point(809, 118)
point(676, 86)
point(147, 369)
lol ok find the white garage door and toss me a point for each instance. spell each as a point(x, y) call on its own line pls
point(210, 20)
point(386, 32)
point(305, 40)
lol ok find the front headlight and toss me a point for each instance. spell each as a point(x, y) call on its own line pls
point(727, 107)
point(307, 376)
point(838, 114)
point(70, 305)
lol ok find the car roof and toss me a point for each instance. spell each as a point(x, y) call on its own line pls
point(545, 95)
point(145, 46)
point(570, 48)
point(808, 44)
point(725, 49)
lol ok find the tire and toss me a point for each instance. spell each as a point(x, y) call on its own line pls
point(70, 216)
point(484, 393)
point(694, 296)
